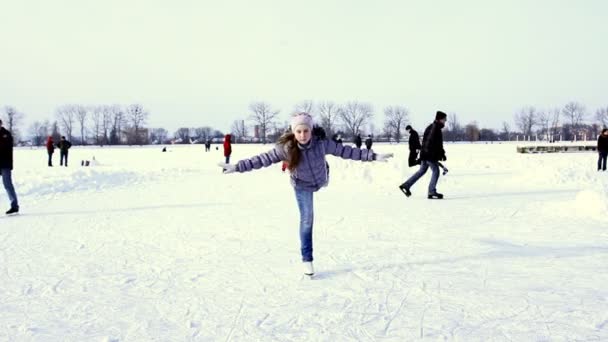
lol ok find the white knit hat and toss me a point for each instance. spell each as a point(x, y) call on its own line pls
point(301, 119)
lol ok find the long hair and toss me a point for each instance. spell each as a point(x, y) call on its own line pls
point(290, 144)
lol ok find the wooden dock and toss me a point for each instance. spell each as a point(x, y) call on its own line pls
point(556, 148)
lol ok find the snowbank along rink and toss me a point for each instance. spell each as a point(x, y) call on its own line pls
point(151, 246)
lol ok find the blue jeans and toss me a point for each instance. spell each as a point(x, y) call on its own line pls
point(424, 166)
point(601, 162)
point(63, 156)
point(305, 204)
point(10, 189)
point(228, 160)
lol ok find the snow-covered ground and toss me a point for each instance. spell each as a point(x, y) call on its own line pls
point(151, 246)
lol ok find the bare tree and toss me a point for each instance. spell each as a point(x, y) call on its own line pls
point(555, 115)
point(601, 115)
point(96, 121)
point(38, 132)
point(544, 123)
point(506, 130)
point(12, 121)
point(136, 116)
point(526, 119)
point(55, 131)
point(387, 130)
point(329, 115)
point(81, 116)
point(455, 130)
point(198, 133)
point(66, 115)
point(307, 106)
point(183, 134)
point(396, 117)
point(355, 114)
point(158, 135)
point(239, 129)
point(471, 131)
point(575, 113)
point(118, 120)
point(106, 122)
point(263, 115)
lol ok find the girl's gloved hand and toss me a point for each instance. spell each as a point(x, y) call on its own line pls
point(227, 168)
point(383, 157)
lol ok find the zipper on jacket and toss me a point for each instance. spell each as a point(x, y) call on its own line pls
point(310, 168)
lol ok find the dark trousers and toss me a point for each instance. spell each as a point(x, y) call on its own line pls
point(50, 158)
point(413, 159)
point(63, 155)
point(228, 160)
point(601, 162)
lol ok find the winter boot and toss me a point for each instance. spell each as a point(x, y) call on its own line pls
point(435, 196)
point(405, 189)
point(308, 269)
point(12, 211)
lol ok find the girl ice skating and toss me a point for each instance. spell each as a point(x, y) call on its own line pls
point(305, 155)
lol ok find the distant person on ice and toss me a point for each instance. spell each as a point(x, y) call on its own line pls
point(432, 152)
point(50, 148)
point(6, 167)
point(368, 142)
point(227, 147)
point(63, 146)
point(358, 141)
point(305, 152)
point(208, 145)
point(602, 149)
point(414, 145)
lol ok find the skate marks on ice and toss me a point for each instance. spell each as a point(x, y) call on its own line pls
point(41, 214)
point(541, 193)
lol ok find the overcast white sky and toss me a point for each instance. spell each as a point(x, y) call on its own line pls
point(195, 63)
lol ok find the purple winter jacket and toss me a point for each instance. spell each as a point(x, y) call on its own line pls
point(311, 173)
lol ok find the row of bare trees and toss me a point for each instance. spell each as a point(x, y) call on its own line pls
point(348, 119)
point(100, 125)
point(117, 124)
point(571, 121)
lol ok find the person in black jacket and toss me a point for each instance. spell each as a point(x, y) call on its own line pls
point(602, 149)
point(414, 144)
point(6, 167)
point(358, 141)
point(368, 142)
point(63, 146)
point(431, 153)
point(415, 147)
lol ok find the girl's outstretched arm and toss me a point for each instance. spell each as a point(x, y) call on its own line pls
point(265, 159)
point(353, 153)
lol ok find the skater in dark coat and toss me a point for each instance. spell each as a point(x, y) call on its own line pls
point(227, 147)
point(63, 146)
point(50, 148)
point(305, 152)
point(6, 167)
point(368, 142)
point(432, 152)
point(358, 141)
point(602, 149)
point(415, 147)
